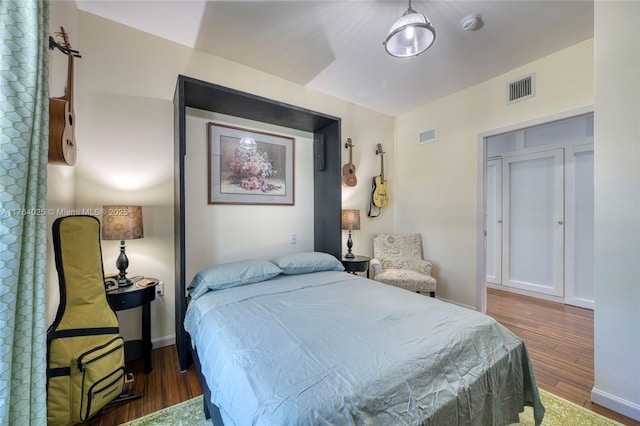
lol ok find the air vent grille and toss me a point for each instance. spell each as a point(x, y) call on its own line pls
point(521, 89)
point(429, 135)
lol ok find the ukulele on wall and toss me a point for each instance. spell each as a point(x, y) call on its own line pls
point(62, 140)
point(380, 196)
point(349, 169)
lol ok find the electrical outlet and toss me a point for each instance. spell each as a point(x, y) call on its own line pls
point(293, 238)
point(160, 289)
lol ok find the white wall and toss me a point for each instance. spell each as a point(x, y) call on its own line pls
point(437, 184)
point(124, 128)
point(617, 206)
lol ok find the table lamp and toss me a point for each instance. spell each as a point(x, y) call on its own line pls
point(350, 221)
point(122, 223)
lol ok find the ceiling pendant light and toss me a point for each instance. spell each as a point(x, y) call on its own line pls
point(410, 35)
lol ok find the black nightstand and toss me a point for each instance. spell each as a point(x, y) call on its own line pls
point(130, 297)
point(356, 264)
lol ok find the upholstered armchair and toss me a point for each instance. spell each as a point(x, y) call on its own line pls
point(397, 260)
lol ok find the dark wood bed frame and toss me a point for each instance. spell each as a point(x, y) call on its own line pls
point(326, 131)
point(211, 411)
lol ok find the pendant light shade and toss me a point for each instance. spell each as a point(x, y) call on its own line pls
point(410, 35)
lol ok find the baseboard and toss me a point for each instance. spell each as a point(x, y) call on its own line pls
point(161, 342)
point(456, 303)
point(523, 292)
point(615, 403)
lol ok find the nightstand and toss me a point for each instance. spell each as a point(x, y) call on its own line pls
point(356, 264)
point(131, 297)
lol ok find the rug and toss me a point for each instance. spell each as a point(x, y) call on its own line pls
point(559, 412)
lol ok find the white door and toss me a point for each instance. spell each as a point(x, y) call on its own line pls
point(494, 221)
point(580, 283)
point(533, 222)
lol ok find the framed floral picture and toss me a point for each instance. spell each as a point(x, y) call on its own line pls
point(250, 167)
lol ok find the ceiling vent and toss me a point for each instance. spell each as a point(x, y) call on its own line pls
point(429, 135)
point(523, 88)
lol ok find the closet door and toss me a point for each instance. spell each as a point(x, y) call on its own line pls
point(494, 221)
point(580, 236)
point(533, 222)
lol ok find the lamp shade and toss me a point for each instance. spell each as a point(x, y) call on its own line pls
point(351, 219)
point(122, 223)
point(410, 35)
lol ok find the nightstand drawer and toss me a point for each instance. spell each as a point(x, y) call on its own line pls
point(131, 299)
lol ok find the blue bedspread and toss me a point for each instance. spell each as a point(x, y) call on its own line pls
point(331, 348)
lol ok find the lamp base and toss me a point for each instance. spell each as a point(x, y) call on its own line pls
point(124, 282)
point(122, 263)
point(349, 255)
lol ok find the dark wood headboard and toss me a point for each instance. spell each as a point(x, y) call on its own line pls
point(326, 129)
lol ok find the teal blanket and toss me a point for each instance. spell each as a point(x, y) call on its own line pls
point(332, 348)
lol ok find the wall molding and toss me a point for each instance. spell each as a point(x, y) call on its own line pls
point(615, 403)
point(161, 342)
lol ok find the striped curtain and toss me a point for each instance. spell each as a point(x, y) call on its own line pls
point(24, 146)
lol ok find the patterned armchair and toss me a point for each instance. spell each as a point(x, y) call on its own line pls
point(397, 260)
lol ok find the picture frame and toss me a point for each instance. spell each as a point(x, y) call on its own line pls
point(249, 166)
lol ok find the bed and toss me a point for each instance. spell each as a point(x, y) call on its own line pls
point(297, 341)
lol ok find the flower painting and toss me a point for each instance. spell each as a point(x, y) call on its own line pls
point(249, 167)
point(252, 169)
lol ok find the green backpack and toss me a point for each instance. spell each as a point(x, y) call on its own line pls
point(85, 353)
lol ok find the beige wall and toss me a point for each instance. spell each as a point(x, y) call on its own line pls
point(227, 233)
point(126, 81)
point(617, 207)
point(60, 179)
point(436, 185)
point(124, 112)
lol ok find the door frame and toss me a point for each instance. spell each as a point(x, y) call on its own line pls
point(481, 255)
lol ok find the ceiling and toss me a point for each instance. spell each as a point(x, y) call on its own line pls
point(335, 47)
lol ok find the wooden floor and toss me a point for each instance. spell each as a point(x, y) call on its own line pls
point(559, 339)
point(163, 387)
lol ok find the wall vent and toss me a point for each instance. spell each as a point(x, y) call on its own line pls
point(523, 88)
point(429, 135)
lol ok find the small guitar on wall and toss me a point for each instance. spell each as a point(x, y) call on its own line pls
point(349, 169)
point(380, 195)
point(62, 140)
